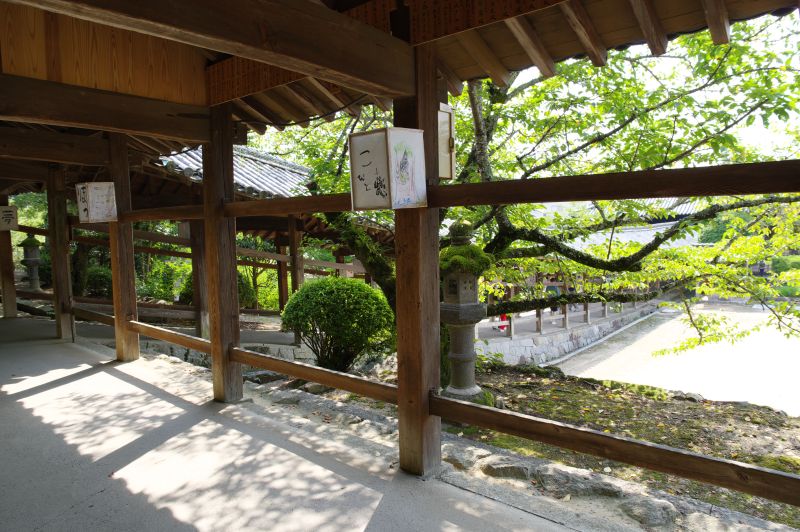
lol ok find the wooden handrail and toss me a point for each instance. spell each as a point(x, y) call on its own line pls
point(90, 315)
point(725, 180)
point(343, 381)
point(160, 333)
point(775, 485)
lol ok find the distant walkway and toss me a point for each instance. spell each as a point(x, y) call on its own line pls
point(762, 368)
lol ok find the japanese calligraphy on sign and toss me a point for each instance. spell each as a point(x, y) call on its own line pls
point(96, 202)
point(387, 169)
point(8, 218)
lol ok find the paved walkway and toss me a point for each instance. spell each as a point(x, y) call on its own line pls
point(761, 368)
point(89, 444)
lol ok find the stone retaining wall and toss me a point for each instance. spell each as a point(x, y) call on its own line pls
point(541, 349)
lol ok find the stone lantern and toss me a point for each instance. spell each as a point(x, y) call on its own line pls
point(31, 260)
point(461, 265)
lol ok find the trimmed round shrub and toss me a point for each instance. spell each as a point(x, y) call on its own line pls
point(98, 281)
point(339, 319)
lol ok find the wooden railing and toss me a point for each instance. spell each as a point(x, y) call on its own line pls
point(174, 337)
point(90, 315)
point(334, 379)
point(776, 485)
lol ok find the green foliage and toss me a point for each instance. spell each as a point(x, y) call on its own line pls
point(467, 258)
point(784, 264)
point(247, 295)
point(339, 319)
point(98, 282)
point(164, 280)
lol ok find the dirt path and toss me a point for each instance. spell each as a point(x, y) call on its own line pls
point(760, 369)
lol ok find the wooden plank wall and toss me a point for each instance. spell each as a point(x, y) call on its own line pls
point(41, 45)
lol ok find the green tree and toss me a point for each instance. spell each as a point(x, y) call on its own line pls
point(690, 107)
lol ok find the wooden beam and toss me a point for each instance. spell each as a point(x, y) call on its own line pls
point(719, 25)
point(651, 27)
point(181, 212)
point(23, 171)
point(286, 206)
point(46, 102)
point(293, 34)
point(584, 29)
point(123, 272)
point(59, 253)
point(776, 485)
point(477, 48)
point(199, 278)
point(532, 44)
point(91, 315)
point(736, 179)
point(221, 273)
point(42, 145)
point(417, 307)
point(7, 283)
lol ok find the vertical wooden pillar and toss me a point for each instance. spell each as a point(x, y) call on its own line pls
point(417, 245)
point(123, 271)
point(283, 282)
point(296, 254)
point(199, 281)
point(59, 252)
point(221, 273)
point(7, 270)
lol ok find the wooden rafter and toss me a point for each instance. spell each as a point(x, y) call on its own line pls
point(474, 44)
point(532, 44)
point(455, 85)
point(584, 29)
point(293, 34)
point(651, 27)
point(717, 19)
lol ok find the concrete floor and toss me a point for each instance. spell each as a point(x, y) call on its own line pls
point(761, 368)
point(89, 444)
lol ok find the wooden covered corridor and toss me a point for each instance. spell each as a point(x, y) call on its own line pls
point(95, 85)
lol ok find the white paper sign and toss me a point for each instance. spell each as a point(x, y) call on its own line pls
point(96, 202)
point(8, 218)
point(387, 169)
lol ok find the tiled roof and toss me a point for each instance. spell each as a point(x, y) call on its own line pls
point(255, 173)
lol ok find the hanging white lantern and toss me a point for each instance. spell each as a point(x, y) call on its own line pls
point(96, 202)
point(387, 169)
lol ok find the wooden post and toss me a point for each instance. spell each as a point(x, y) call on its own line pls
point(296, 254)
point(587, 314)
point(59, 252)
point(605, 310)
point(283, 282)
point(199, 280)
point(417, 245)
point(221, 273)
point(7, 270)
point(539, 321)
point(123, 271)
